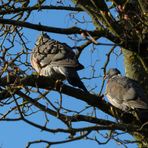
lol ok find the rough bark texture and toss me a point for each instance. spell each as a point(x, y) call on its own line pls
point(136, 68)
point(135, 53)
point(129, 31)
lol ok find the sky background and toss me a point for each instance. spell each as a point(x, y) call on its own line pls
point(17, 134)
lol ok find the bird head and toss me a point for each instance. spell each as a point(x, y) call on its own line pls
point(112, 72)
point(42, 38)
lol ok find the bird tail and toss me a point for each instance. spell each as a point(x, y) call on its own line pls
point(142, 115)
point(75, 80)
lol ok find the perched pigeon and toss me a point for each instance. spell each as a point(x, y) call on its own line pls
point(124, 93)
point(56, 60)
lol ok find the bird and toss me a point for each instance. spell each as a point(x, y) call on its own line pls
point(124, 93)
point(56, 60)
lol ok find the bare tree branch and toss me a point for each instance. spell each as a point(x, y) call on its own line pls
point(38, 8)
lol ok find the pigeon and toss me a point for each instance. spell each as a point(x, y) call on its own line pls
point(56, 60)
point(124, 93)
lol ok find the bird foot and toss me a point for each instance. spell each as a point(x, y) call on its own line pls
point(102, 96)
point(58, 85)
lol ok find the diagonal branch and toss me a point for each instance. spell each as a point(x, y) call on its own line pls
point(57, 142)
point(91, 99)
point(38, 8)
point(39, 27)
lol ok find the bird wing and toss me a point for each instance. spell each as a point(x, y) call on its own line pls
point(49, 51)
point(115, 90)
point(135, 94)
point(56, 48)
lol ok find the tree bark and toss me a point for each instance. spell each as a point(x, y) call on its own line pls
point(136, 68)
point(135, 59)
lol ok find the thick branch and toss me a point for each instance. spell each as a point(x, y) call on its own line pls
point(37, 7)
point(123, 127)
point(91, 99)
point(71, 30)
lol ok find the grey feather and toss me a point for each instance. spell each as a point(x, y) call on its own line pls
point(125, 93)
point(56, 60)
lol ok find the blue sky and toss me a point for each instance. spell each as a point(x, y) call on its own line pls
point(17, 134)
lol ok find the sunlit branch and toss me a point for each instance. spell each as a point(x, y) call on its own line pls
point(57, 142)
point(91, 99)
point(64, 118)
point(11, 119)
point(105, 66)
point(39, 27)
point(71, 130)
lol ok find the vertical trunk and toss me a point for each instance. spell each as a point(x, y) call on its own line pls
point(136, 65)
point(136, 68)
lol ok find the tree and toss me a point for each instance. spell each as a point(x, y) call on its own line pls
point(24, 95)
